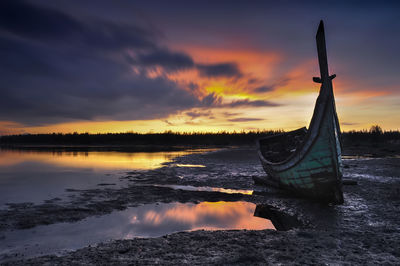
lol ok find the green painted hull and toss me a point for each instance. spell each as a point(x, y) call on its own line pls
point(315, 172)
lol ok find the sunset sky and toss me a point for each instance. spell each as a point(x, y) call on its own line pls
point(152, 66)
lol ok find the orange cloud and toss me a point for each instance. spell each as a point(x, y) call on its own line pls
point(256, 66)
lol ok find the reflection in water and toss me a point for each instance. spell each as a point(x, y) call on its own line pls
point(357, 157)
point(282, 221)
point(149, 220)
point(35, 176)
point(205, 215)
point(93, 159)
point(191, 165)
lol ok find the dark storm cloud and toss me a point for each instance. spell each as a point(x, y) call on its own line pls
point(19, 58)
point(53, 70)
point(32, 21)
point(163, 58)
point(45, 24)
point(244, 119)
point(219, 70)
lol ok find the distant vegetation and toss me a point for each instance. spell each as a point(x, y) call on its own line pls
point(167, 138)
point(374, 135)
point(373, 142)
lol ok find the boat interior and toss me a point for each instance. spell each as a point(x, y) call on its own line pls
point(278, 148)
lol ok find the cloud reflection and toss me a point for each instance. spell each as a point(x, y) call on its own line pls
point(162, 219)
point(150, 220)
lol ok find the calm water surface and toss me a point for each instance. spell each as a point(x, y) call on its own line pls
point(35, 176)
point(150, 220)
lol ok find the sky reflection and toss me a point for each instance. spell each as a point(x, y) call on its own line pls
point(93, 159)
point(35, 176)
point(150, 220)
point(205, 215)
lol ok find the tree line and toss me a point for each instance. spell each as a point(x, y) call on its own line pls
point(169, 138)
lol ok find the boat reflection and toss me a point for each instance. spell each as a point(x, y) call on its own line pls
point(282, 221)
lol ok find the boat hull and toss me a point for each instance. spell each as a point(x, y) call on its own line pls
point(315, 170)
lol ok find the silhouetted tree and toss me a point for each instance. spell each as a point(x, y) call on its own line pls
point(376, 133)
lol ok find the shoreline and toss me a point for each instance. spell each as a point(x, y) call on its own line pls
point(118, 148)
point(373, 150)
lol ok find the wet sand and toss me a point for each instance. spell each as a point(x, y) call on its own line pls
point(365, 230)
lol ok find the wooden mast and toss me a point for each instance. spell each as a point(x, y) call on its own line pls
point(325, 79)
point(322, 57)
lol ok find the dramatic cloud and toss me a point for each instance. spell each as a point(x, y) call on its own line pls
point(168, 60)
point(45, 24)
point(32, 21)
point(219, 70)
point(44, 83)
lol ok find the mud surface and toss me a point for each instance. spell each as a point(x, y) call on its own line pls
point(364, 230)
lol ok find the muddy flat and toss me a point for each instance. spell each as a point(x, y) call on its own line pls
point(199, 207)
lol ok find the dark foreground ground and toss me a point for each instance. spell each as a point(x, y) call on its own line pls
point(364, 230)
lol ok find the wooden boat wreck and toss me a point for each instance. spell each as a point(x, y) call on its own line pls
point(308, 162)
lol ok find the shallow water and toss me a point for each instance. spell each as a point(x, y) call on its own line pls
point(150, 220)
point(35, 176)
